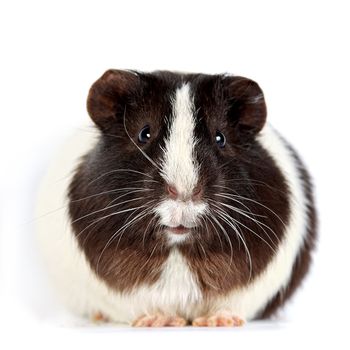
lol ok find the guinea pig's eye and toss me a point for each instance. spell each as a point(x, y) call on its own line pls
point(145, 134)
point(220, 139)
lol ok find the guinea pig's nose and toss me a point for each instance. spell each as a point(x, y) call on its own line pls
point(174, 193)
point(197, 193)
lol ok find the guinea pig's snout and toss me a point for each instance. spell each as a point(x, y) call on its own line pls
point(180, 212)
point(195, 195)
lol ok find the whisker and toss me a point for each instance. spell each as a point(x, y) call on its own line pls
point(118, 171)
point(106, 208)
point(112, 191)
point(217, 233)
point(203, 250)
point(138, 217)
point(123, 195)
point(252, 231)
point(149, 258)
point(107, 216)
point(136, 145)
point(253, 201)
point(98, 224)
point(227, 238)
point(155, 181)
point(133, 221)
point(237, 227)
point(132, 212)
point(97, 132)
point(239, 181)
point(237, 201)
point(80, 199)
point(154, 249)
point(259, 223)
point(226, 218)
point(144, 233)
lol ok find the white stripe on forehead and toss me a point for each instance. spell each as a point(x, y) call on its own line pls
point(179, 167)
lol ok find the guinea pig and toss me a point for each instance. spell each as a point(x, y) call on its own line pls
point(181, 207)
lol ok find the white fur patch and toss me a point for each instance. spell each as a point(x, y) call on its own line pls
point(177, 287)
point(173, 213)
point(176, 212)
point(247, 302)
point(174, 238)
point(179, 167)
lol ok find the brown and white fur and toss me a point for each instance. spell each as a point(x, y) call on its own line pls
point(179, 227)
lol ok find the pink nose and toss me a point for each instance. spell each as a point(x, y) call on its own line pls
point(197, 193)
point(174, 193)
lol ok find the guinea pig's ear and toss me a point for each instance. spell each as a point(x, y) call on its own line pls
point(110, 94)
point(247, 105)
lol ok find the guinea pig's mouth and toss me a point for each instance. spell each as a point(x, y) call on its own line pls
point(179, 230)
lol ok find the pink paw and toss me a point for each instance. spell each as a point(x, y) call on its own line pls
point(99, 317)
point(159, 321)
point(221, 320)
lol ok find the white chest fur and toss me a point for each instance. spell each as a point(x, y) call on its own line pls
point(177, 288)
point(175, 293)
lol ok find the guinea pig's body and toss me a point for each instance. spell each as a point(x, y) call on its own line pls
point(185, 207)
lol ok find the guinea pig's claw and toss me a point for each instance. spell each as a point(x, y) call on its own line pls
point(221, 320)
point(159, 321)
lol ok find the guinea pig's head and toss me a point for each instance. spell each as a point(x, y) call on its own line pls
point(177, 164)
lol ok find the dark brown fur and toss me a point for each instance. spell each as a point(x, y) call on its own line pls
point(233, 105)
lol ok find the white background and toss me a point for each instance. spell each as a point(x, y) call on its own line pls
point(51, 52)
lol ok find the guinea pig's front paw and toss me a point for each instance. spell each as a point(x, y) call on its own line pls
point(98, 317)
point(159, 321)
point(218, 320)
